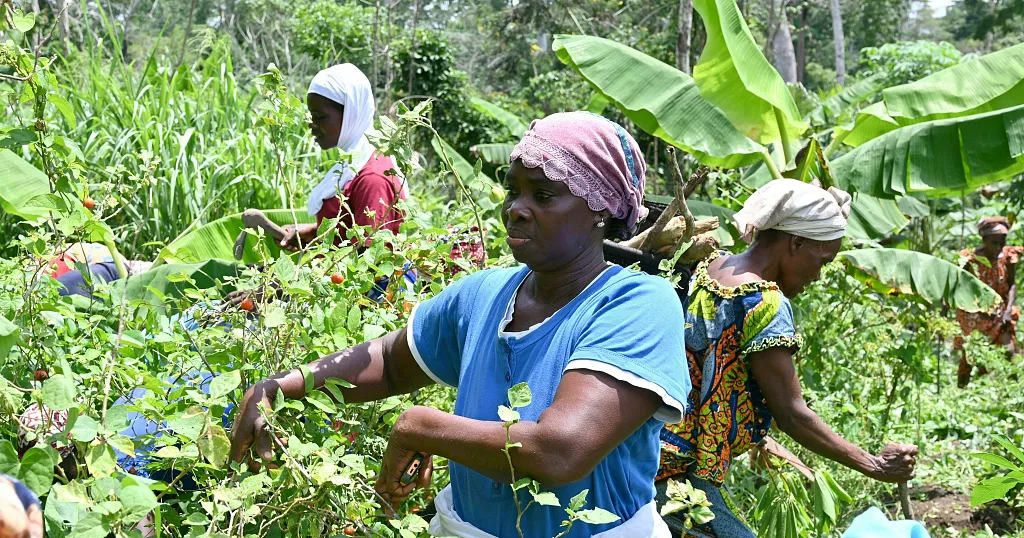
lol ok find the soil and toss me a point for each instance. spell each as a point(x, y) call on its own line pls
point(941, 509)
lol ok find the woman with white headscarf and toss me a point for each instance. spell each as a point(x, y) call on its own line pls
point(740, 341)
point(364, 187)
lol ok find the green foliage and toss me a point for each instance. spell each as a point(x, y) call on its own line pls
point(682, 496)
point(998, 487)
point(907, 61)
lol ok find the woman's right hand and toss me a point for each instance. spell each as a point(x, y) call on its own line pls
point(293, 234)
point(251, 429)
point(895, 463)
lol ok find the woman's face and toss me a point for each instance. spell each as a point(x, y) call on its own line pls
point(803, 262)
point(547, 225)
point(325, 120)
point(993, 244)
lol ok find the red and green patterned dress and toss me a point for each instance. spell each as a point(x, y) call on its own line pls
point(726, 413)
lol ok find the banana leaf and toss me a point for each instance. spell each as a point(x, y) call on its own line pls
point(896, 272)
point(938, 157)
point(516, 126)
point(659, 99)
point(459, 163)
point(20, 182)
point(830, 110)
point(496, 154)
point(871, 122)
point(170, 280)
point(216, 240)
point(992, 82)
point(734, 75)
point(874, 218)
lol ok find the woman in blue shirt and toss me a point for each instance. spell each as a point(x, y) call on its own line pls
point(598, 345)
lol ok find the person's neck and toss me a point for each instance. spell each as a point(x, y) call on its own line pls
point(560, 286)
point(758, 260)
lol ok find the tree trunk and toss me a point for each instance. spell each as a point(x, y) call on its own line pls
point(801, 45)
point(683, 37)
point(188, 30)
point(62, 23)
point(989, 35)
point(412, 47)
point(785, 57)
point(840, 42)
point(36, 35)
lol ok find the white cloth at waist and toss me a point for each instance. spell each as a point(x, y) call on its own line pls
point(645, 523)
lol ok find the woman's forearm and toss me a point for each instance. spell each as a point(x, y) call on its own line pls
point(479, 444)
point(807, 428)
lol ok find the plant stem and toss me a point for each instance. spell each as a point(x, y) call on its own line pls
point(512, 470)
point(786, 151)
point(837, 140)
point(774, 170)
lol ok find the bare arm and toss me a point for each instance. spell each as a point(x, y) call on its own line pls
point(378, 369)
point(774, 371)
point(1012, 295)
point(591, 414)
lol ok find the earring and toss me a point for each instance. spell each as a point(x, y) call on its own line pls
point(600, 224)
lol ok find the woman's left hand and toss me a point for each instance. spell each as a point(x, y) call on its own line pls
point(396, 460)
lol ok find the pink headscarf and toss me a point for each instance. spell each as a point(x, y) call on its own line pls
point(594, 156)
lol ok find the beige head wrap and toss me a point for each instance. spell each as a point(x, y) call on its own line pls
point(795, 207)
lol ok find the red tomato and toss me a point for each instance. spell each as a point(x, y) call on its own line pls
point(89, 203)
point(349, 531)
point(247, 305)
point(41, 375)
point(337, 278)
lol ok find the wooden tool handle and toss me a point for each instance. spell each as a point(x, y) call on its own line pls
point(905, 500)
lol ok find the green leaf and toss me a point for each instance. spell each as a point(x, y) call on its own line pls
point(86, 429)
point(831, 110)
point(992, 82)
point(546, 498)
point(117, 417)
point(36, 470)
point(101, 461)
point(521, 483)
point(659, 99)
point(354, 317)
point(496, 154)
point(991, 489)
point(214, 445)
point(8, 336)
point(23, 22)
point(1005, 443)
point(937, 158)
point(274, 316)
point(460, 164)
point(223, 384)
point(322, 402)
point(519, 396)
point(123, 443)
point(138, 501)
point(59, 393)
point(515, 126)
point(371, 332)
point(20, 182)
point(64, 107)
point(598, 103)
point(189, 424)
point(824, 503)
point(995, 460)
point(216, 240)
point(578, 500)
point(872, 218)
point(355, 462)
point(920, 276)
point(597, 516)
point(734, 75)
point(507, 415)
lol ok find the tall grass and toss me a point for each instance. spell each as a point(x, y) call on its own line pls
point(182, 142)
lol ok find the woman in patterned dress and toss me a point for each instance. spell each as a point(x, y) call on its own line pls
point(740, 341)
point(995, 264)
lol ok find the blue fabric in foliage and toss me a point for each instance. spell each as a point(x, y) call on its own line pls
point(874, 524)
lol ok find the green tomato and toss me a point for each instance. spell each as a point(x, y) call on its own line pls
point(497, 194)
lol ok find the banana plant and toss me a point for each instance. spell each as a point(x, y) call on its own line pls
point(700, 115)
point(216, 240)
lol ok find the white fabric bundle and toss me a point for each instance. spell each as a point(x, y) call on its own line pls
point(795, 207)
point(346, 85)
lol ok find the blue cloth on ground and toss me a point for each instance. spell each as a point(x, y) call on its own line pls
point(873, 524)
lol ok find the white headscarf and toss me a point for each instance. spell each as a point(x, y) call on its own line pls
point(795, 207)
point(346, 85)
